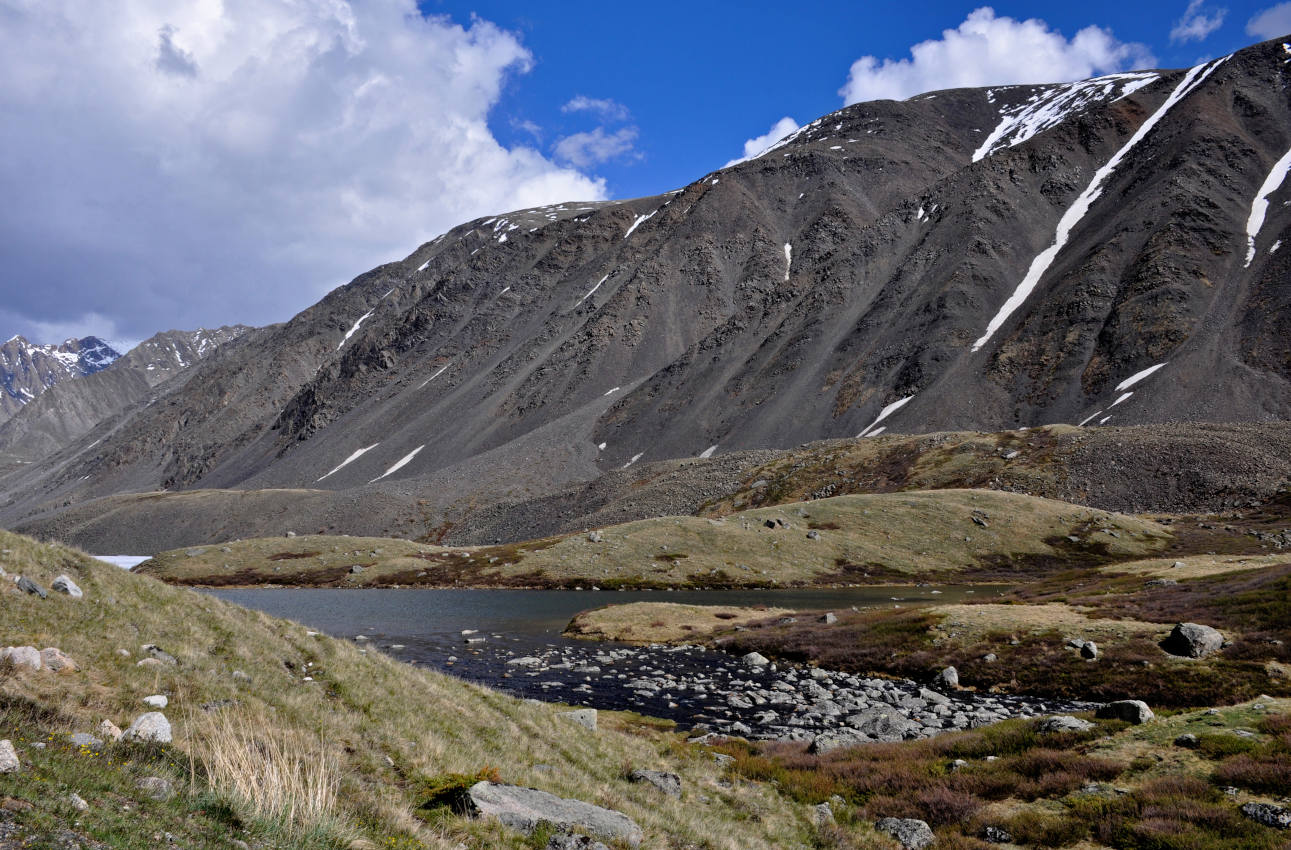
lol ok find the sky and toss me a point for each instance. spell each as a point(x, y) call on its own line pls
point(181, 164)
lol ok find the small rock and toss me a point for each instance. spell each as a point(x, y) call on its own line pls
point(565, 841)
point(1136, 711)
point(22, 656)
point(149, 662)
point(291, 534)
point(594, 537)
point(990, 658)
point(157, 701)
point(948, 678)
point(155, 787)
point(86, 741)
point(1160, 582)
point(837, 739)
point(813, 535)
point(152, 726)
point(1064, 723)
point(996, 835)
point(829, 619)
point(911, 833)
point(8, 757)
point(56, 660)
point(1192, 640)
point(28, 586)
point(822, 815)
point(239, 676)
point(1089, 650)
point(582, 716)
point(154, 651)
point(668, 783)
point(64, 584)
point(76, 802)
point(109, 730)
point(1268, 814)
point(1188, 741)
point(756, 659)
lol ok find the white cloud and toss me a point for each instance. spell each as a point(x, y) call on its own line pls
point(608, 109)
point(1273, 22)
point(985, 50)
point(755, 146)
point(583, 150)
point(175, 165)
point(1196, 25)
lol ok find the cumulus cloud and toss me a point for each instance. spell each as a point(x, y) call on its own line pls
point(986, 50)
point(1273, 22)
point(1196, 24)
point(757, 145)
point(584, 150)
point(175, 165)
point(606, 108)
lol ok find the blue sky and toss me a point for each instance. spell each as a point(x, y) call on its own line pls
point(697, 79)
point(177, 163)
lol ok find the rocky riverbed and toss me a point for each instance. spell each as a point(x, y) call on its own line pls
point(714, 692)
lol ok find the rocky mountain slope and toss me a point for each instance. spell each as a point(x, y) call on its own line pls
point(1092, 253)
point(72, 408)
point(27, 369)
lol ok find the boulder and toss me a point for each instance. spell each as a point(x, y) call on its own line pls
point(948, 678)
point(1089, 650)
point(882, 723)
point(1192, 640)
point(1063, 723)
point(109, 730)
point(64, 584)
point(22, 656)
point(837, 739)
point(28, 586)
point(524, 808)
point(582, 716)
point(77, 802)
point(1188, 741)
point(152, 726)
point(829, 619)
point(756, 659)
point(1136, 711)
point(8, 757)
point(822, 815)
point(1266, 813)
point(997, 835)
point(154, 651)
point(668, 783)
point(911, 833)
point(155, 787)
point(594, 537)
point(56, 660)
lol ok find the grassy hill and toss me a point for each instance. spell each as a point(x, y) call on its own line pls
point(968, 535)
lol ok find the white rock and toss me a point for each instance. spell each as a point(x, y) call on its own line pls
point(152, 726)
point(64, 584)
point(157, 701)
point(8, 757)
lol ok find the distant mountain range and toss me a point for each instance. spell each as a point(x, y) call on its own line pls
point(1105, 252)
point(27, 369)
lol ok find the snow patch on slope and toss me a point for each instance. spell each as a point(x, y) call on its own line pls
point(352, 329)
point(884, 414)
point(1136, 377)
point(788, 259)
point(399, 464)
point(1260, 206)
point(358, 454)
point(1081, 206)
point(641, 219)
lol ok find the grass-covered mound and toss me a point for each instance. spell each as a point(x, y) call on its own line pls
point(966, 535)
point(315, 743)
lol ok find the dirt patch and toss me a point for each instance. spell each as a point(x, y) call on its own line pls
point(663, 622)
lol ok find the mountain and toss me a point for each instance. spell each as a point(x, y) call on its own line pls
point(27, 369)
point(72, 408)
point(1091, 253)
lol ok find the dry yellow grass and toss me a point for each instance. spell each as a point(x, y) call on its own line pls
point(894, 535)
point(663, 622)
point(1196, 566)
point(972, 623)
point(380, 722)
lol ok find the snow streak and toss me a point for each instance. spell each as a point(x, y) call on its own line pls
point(788, 259)
point(358, 454)
point(599, 282)
point(351, 331)
point(884, 414)
point(1136, 377)
point(1260, 205)
point(400, 464)
point(641, 219)
point(1051, 107)
point(432, 377)
point(708, 452)
point(1081, 206)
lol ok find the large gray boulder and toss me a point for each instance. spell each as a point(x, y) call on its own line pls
point(524, 808)
point(585, 717)
point(1135, 711)
point(837, 739)
point(882, 723)
point(150, 727)
point(56, 660)
point(22, 656)
point(913, 834)
point(756, 659)
point(1063, 723)
point(948, 679)
point(1268, 814)
point(28, 586)
point(1192, 640)
point(8, 757)
point(668, 783)
point(64, 584)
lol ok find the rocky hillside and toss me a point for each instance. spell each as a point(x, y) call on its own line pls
point(1096, 253)
point(27, 369)
point(71, 409)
